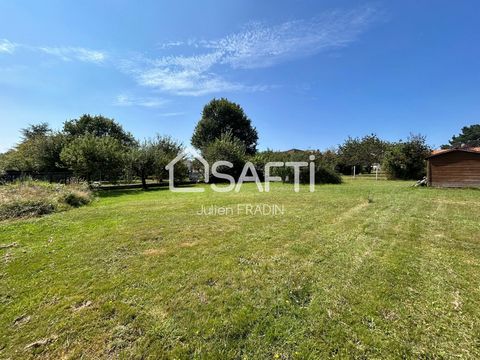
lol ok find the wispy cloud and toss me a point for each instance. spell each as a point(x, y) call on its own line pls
point(180, 75)
point(261, 46)
point(127, 100)
point(63, 53)
point(201, 69)
point(75, 53)
point(257, 45)
point(7, 46)
point(170, 44)
point(171, 114)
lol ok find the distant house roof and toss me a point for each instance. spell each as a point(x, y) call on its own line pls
point(293, 151)
point(446, 151)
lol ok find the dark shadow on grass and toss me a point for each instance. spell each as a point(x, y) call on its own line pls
point(111, 193)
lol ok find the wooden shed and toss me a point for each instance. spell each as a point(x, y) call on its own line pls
point(454, 167)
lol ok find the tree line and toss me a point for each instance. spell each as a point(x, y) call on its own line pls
point(97, 148)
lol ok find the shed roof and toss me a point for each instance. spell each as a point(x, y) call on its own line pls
point(434, 153)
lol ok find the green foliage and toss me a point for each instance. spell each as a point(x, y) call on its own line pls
point(34, 198)
point(141, 161)
point(221, 116)
point(95, 148)
point(469, 137)
point(226, 148)
point(151, 157)
point(406, 160)
point(363, 153)
point(39, 152)
point(98, 126)
point(324, 175)
point(35, 130)
point(328, 159)
point(324, 165)
point(166, 149)
point(95, 158)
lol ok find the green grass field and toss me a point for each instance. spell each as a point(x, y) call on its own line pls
point(363, 270)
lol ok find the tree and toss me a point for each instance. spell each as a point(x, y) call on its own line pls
point(166, 149)
point(363, 152)
point(227, 148)
point(328, 159)
point(39, 151)
point(35, 130)
point(469, 137)
point(406, 160)
point(151, 157)
point(221, 116)
point(98, 126)
point(142, 160)
point(95, 158)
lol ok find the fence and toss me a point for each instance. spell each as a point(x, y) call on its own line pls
point(50, 176)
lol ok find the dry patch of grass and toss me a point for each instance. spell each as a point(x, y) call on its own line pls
point(34, 198)
point(154, 252)
point(188, 244)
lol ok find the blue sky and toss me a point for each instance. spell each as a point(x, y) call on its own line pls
point(308, 73)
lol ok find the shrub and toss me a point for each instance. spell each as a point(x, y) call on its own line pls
point(77, 198)
point(327, 176)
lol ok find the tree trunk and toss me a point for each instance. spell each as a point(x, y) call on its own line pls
point(144, 182)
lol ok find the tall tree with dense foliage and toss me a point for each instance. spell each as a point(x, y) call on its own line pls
point(39, 151)
point(469, 137)
point(35, 130)
point(98, 126)
point(406, 159)
point(221, 116)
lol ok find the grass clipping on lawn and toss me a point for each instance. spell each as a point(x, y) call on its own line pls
point(34, 198)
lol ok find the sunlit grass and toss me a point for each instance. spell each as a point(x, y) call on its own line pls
point(363, 269)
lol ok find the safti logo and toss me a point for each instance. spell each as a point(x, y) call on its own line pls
point(249, 167)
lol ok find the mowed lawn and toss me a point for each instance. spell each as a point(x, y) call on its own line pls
point(363, 270)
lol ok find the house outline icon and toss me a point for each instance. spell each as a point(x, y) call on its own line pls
point(171, 170)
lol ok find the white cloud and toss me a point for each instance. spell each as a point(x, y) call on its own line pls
point(171, 114)
point(64, 53)
point(201, 71)
point(75, 53)
point(257, 45)
point(170, 44)
point(127, 100)
point(261, 46)
point(7, 46)
point(185, 81)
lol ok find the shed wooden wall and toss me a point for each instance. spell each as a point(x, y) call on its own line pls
point(454, 169)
